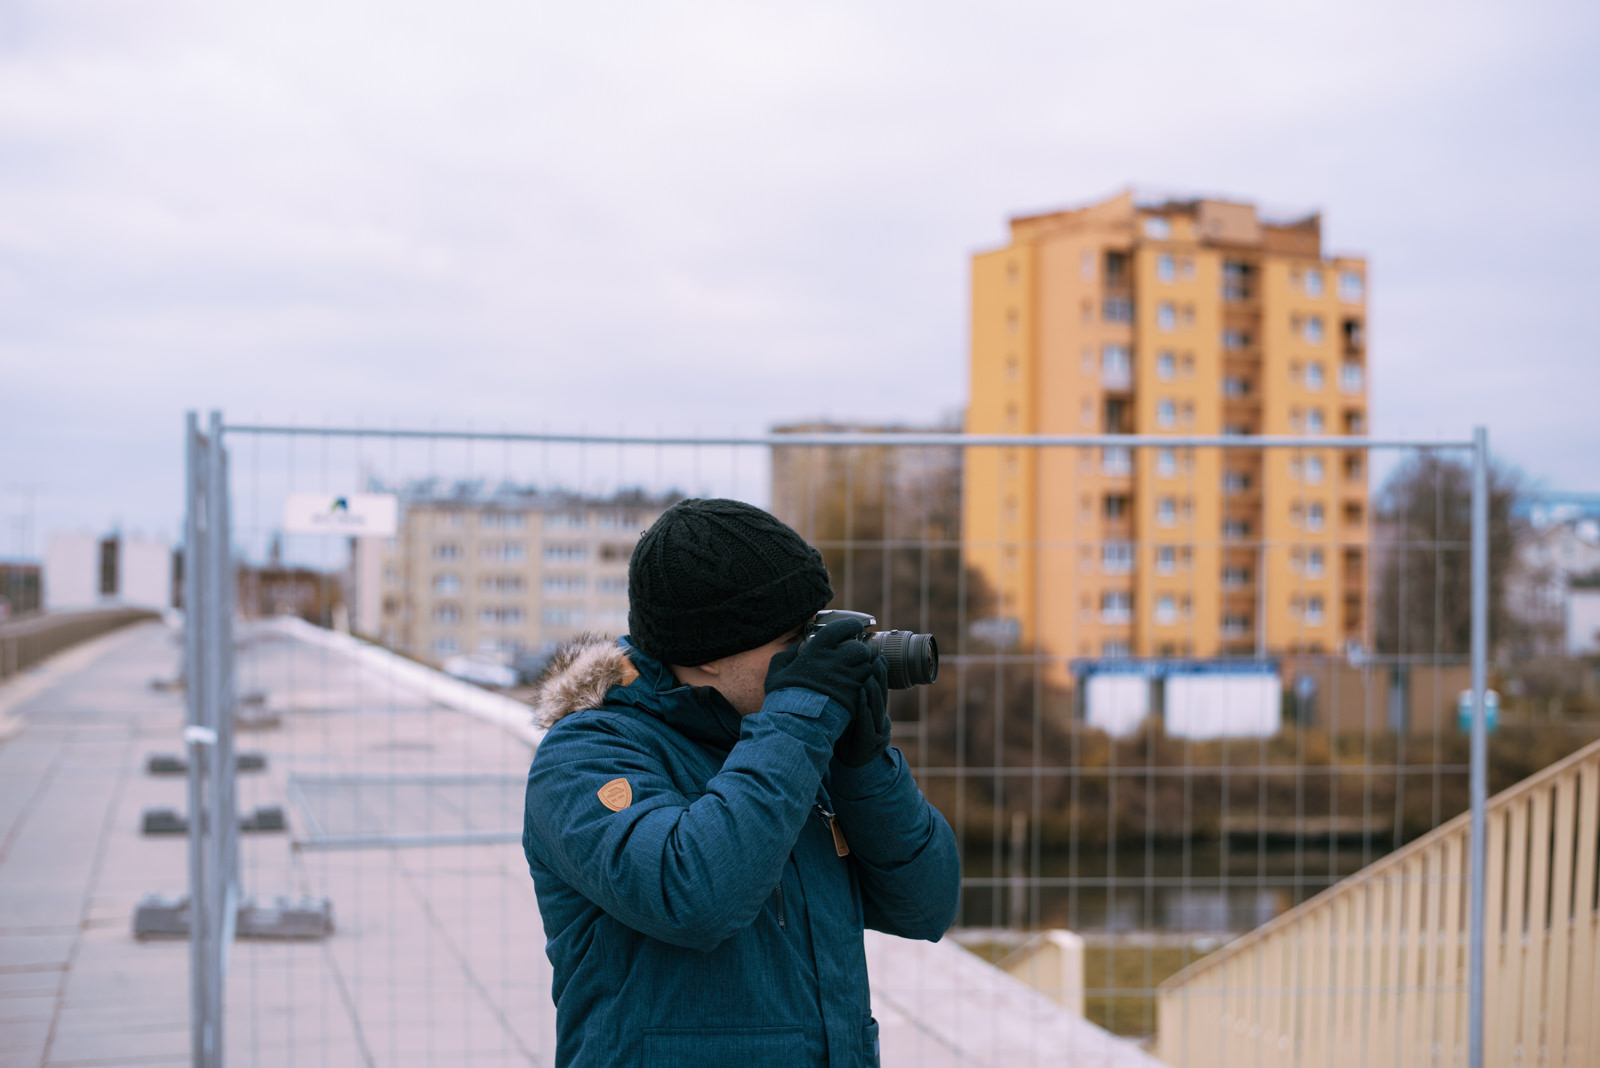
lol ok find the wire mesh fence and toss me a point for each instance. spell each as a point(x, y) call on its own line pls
point(1188, 685)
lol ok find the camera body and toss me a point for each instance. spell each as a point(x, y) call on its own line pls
point(913, 658)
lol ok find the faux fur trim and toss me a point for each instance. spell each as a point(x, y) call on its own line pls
point(579, 676)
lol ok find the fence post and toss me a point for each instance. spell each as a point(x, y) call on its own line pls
point(195, 658)
point(1480, 742)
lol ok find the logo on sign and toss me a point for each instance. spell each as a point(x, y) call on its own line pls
point(359, 514)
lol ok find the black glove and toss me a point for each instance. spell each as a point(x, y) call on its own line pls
point(831, 662)
point(867, 736)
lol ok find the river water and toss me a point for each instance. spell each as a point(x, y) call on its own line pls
point(1173, 889)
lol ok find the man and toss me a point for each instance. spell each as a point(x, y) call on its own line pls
point(716, 813)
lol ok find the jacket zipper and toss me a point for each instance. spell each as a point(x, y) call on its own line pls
point(783, 923)
point(840, 846)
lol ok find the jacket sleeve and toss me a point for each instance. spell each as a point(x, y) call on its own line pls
point(688, 872)
point(904, 849)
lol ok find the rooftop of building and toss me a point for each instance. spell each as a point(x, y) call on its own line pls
point(480, 494)
point(1212, 220)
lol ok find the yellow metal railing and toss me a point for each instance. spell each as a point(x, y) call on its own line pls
point(1372, 972)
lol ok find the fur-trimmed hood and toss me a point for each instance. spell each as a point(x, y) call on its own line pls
point(579, 676)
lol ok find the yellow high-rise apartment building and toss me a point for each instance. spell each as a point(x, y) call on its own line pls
point(1182, 317)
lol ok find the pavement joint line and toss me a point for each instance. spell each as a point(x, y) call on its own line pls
point(40, 788)
point(26, 969)
point(107, 824)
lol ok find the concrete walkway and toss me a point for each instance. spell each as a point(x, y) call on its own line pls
point(437, 956)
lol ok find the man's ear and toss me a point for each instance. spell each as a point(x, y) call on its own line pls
point(713, 668)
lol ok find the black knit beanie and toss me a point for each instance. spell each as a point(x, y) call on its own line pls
point(711, 578)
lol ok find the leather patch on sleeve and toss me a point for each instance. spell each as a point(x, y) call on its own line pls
point(616, 795)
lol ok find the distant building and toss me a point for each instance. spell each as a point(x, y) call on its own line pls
point(19, 588)
point(86, 571)
point(1583, 616)
point(1550, 559)
point(1180, 317)
point(276, 590)
point(499, 573)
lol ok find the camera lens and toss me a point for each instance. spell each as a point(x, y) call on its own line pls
point(913, 658)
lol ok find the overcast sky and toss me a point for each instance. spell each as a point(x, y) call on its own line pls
point(720, 216)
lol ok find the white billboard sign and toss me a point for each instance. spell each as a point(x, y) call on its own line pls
point(354, 514)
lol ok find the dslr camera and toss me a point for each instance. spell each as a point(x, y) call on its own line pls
point(913, 658)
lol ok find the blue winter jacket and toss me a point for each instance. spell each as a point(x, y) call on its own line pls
point(696, 905)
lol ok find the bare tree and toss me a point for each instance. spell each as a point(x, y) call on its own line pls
point(1424, 543)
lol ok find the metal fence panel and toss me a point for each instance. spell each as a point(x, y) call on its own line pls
point(1136, 737)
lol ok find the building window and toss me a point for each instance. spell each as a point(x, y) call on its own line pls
point(504, 551)
point(500, 584)
point(1235, 529)
point(1234, 340)
point(1314, 563)
point(1086, 266)
point(1166, 317)
point(1116, 366)
point(502, 521)
point(1116, 557)
point(1314, 516)
point(447, 550)
point(447, 582)
point(1312, 330)
point(1157, 228)
point(1235, 386)
point(447, 614)
point(1311, 470)
point(561, 552)
point(611, 584)
point(1116, 460)
point(1314, 610)
point(1118, 310)
point(1166, 414)
point(446, 647)
point(1166, 609)
point(1235, 624)
point(564, 521)
point(1116, 506)
point(1314, 424)
point(1166, 559)
point(1166, 365)
point(1314, 376)
point(391, 576)
point(1351, 378)
point(1166, 463)
point(1235, 482)
point(1116, 649)
point(1235, 577)
point(1354, 423)
point(1350, 286)
point(567, 584)
point(1167, 511)
point(1116, 607)
point(1235, 281)
point(1166, 268)
point(1313, 283)
point(563, 615)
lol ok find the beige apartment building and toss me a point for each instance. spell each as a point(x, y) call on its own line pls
point(500, 574)
point(1177, 317)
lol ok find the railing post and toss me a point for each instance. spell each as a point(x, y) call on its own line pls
point(1480, 743)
